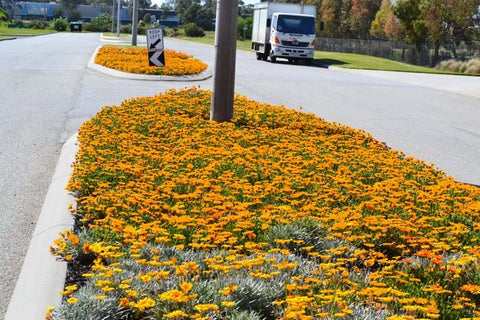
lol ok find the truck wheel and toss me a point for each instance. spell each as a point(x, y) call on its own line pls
point(273, 59)
point(259, 56)
point(308, 62)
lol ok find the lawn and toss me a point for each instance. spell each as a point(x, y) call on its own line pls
point(274, 215)
point(360, 61)
point(5, 31)
point(342, 60)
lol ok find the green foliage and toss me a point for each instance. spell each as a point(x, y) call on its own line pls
point(190, 14)
point(126, 28)
point(192, 30)
point(19, 23)
point(38, 24)
point(205, 18)
point(4, 15)
point(247, 22)
point(60, 24)
point(377, 28)
point(58, 13)
point(100, 24)
point(410, 15)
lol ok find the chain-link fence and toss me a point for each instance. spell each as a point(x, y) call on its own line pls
point(399, 51)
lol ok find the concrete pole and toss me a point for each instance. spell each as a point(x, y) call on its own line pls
point(118, 18)
point(135, 22)
point(113, 14)
point(225, 49)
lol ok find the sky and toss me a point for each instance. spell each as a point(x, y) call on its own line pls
point(159, 2)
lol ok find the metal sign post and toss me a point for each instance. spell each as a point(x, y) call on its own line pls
point(156, 56)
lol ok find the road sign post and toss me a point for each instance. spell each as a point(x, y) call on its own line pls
point(156, 56)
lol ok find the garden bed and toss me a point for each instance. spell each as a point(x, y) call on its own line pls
point(274, 215)
point(135, 60)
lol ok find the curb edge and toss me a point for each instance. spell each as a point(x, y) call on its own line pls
point(42, 276)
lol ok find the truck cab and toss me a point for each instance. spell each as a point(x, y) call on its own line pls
point(284, 30)
point(292, 36)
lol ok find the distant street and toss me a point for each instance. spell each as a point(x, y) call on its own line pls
point(47, 93)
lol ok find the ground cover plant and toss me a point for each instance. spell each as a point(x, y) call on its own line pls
point(135, 60)
point(274, 215)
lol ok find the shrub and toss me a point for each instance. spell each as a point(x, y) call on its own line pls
point(126, 28)
point(38, 24)
point(100, 24)
point(4, 15)
point(19, 23)
point(60, 24)
point(472, 66)
point(192, 30)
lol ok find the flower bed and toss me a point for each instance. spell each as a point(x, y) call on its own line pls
point(135, 60)
point(275, 215)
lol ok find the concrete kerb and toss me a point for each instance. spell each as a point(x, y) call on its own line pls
point(42, 276)
point(208, 73)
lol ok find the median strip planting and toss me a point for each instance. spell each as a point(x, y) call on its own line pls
point(274, 215)
point(135, 60)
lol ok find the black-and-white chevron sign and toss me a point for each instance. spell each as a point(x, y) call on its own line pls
point(156, 56)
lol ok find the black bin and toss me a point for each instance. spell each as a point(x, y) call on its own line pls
point(76, 26)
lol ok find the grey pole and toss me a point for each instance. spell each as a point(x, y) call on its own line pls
point(134, 22)
point(225, 49)
point(113, 14)
point(118, 18)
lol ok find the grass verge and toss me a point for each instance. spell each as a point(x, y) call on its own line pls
point(338, 59)
point(275, 215)
point(5, 31)
point(360, 61)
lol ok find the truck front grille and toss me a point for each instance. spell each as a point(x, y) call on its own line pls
point(295, 44)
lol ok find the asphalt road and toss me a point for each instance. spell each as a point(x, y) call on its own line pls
point(47, 93)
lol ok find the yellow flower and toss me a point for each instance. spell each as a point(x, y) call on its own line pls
point(176, 314)
point(206, 307)
point(228, 304)
point(72, 300)
point(186, 287)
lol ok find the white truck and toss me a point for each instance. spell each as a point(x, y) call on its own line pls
point(284, 30)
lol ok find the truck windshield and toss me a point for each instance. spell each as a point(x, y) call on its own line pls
point(296, 24)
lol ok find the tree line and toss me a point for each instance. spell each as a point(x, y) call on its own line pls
point(417, 22)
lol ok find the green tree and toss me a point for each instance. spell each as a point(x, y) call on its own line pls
point(190, 15)
point(166, 8)
point(410, 14)
point(377, 28)
point(206, 18)
point(181, 6)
